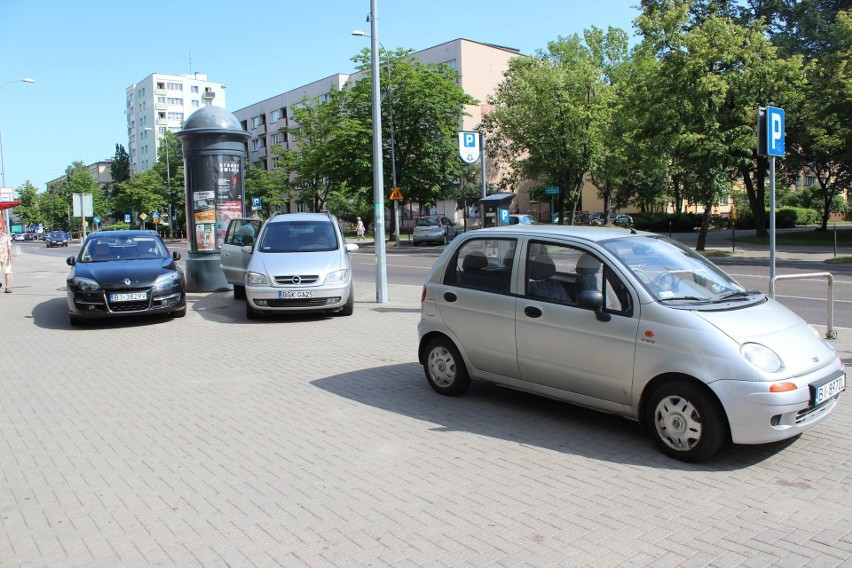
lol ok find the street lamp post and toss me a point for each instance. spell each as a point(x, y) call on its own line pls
point(2, 160)
point(378, 174)
point(360, 33)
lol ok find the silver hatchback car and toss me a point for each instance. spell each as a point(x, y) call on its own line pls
point(628, 323)
point(299, 263)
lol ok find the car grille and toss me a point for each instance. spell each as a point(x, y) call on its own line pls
point(814, 412)
point(301, 302)
point(298, 279)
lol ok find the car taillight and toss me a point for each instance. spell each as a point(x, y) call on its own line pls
point(423, 294)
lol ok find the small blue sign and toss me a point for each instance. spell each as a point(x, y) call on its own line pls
point(551, 190)
point(97, 220)
point(774, 131)
point(155, 214)
point(255, 203)
point(127, 217)
point(504, 216)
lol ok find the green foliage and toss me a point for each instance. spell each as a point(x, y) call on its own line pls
point(141, 193)
point(120, 168)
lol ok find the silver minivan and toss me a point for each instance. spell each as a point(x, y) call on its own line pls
point(297, 262)
point(628, 323)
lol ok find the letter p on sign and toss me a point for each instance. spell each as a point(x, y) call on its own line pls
point(775, 131)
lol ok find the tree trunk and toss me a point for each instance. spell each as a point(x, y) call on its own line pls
point(705, 225)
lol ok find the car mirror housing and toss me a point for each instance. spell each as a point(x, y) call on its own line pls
point(593, 300)
point(71, 260)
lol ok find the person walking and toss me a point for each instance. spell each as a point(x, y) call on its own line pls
point(359, 229)
point(6, 256)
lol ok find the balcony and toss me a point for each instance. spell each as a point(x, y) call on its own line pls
point(209, 95)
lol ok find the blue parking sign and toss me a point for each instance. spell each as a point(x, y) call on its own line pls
point(775, 131)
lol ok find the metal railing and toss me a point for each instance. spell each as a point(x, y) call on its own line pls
point(830, 332)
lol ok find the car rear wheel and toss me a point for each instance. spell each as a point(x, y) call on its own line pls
point(687, 423)
point(445, 368)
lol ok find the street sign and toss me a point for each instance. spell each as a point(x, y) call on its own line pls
point(143, 216)
point(96, 220)
point(396, 195)
point(469, 146)
point(155, 215)
point(255, 203)
point(770, 131)
point(127, 217)
point(551, 190)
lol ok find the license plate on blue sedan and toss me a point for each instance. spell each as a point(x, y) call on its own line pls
point(294, 294)
point(823, 392)
point(128, 297)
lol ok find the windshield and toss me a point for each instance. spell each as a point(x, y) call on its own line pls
point(298, 236)
point(671, 271)
point(112, 248)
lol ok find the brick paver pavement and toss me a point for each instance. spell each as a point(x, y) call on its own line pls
point(215, 441)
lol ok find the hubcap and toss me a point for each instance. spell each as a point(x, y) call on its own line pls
point(442, 367)
point(678, 423)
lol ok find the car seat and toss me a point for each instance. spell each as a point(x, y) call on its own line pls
point(587, 270)
point(540, 269)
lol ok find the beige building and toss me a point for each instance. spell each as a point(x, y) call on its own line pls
point(161, 102)
point(101, 172)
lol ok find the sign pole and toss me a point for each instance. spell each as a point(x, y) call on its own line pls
point(482, 159)
point(772, 218)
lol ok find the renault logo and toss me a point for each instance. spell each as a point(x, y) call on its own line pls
point(128, 281)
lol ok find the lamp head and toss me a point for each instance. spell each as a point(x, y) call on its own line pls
point(358, 33)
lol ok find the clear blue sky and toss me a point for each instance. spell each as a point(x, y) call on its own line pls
point(85, 53)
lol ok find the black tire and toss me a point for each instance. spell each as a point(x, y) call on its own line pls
point(349, 308)
point(444, 368)
point(251, 313)
point(687, 423)
point(239, 292)
point(181, 313)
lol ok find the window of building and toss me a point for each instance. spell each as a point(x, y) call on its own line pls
point(276, 138)
point(810, 181)
point(161, 100)
point(174, 101)
point(161, 115)
point(195, 104)
point(275, 115)
point(161, 85)
point(174, 86)
point(175, 116)
point(194, 89)
point(257, 121)
point(255, 144)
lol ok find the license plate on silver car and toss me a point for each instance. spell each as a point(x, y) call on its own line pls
point(823, 392)
point(295, 294)
point(128, 297)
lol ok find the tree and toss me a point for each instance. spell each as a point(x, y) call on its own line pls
point(550, 113)
point(142, 193)
point(169, 168)
point(28, 211)
point(266, 186)
point(120, 167)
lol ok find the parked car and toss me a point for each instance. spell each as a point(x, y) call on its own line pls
point(522, 220)
point(18, 237)
point(434, 229)
point(620, 219)
point(233, 260)
point(56, 239)
point(593, 219)
point(629, 323)
point(299, 262)
point(124, 273)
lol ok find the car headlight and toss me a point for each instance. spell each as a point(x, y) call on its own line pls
point(165, 281)
point(256, 279)
point(341, 276)
point(84, 285)
point(761, 357)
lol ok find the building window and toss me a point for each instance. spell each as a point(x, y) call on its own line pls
point(255, 144)
point(175, 101)
point(161, 85)
point(195, 104)
point(195, 89)
point(256, 121)
point(161, 100)
point(175, 116)
point(810, 181)
point(276, 138)
point(174, 86)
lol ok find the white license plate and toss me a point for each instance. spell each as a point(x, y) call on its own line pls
point(128, 297)
point(295, 294)
point(828, 390)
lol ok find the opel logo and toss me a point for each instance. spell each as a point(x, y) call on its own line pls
point(127, 281)
point(297, 279)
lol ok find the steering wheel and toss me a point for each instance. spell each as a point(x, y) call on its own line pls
point(666, 281)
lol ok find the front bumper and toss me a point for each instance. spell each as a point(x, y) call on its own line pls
point(96, 305)
point(757, 416)
point(292, 299)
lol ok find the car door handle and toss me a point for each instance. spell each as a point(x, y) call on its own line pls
point(532, 312)
point(450, 297)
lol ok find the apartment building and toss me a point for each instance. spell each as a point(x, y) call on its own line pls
point(161, 102)
point(101, 172)
point(480, 67)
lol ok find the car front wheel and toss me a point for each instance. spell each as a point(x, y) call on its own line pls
point(445, 368)
point(687, 423)
point(251, 313)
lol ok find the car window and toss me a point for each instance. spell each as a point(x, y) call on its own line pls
point(560, 273)
point(105, 249)
point(298, 236)
point(427, 222)
point(483, 264)
point(241, 232)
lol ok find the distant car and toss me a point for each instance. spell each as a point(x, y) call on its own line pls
point(56, 239)
point(523, 220)
point(630, 323)
point(593, 219)
point(124, 273)
point(17, 237)
point(621, 219)
point(299, 262)
point(434, 229)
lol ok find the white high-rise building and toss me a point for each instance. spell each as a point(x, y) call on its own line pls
point(161, 102)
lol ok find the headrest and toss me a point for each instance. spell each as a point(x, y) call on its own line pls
point(101, 249)
point(541, 268)
point(475, 260)
point(587, 264)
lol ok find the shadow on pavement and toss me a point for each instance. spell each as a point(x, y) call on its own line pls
point(53, 314)
point(496, 412)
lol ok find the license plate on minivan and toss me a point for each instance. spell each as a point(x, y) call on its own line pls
point(295, 294)
point(823, 392)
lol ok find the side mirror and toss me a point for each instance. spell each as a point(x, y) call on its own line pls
point(246, 249)
point(351, 247)
point(593, 300)
point(175, 255)
point(71, 260)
